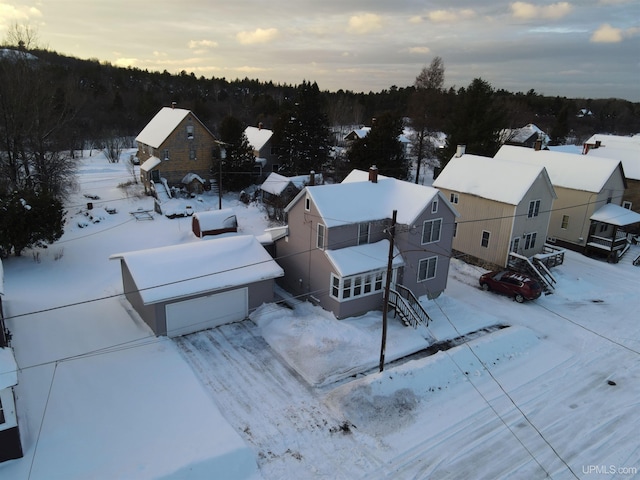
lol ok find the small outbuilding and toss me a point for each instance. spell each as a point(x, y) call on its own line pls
point(214, 222)
point(190, 287)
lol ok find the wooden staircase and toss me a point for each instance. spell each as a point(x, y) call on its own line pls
point(407, 307)
point(534, 267)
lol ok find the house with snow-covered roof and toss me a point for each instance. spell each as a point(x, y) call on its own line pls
point(583, 184)
point(625, 149)
point(278, 190)
point(190, 287)
point(335, 251)
point(175, 149)
point(526, 136)
point(504, 207)
point(260, 139)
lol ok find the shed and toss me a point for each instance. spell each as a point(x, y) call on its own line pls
point(214, 222)
point(190, 287)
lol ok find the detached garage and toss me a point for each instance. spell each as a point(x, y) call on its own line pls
point(186, 288)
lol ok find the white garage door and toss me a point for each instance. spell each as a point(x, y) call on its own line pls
point(206, 312)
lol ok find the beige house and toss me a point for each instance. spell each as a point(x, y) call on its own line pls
point(627, 150)
point(504, 207)
point(175, 149)
point(583, 184)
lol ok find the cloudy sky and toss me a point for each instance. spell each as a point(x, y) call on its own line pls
point(579, 48)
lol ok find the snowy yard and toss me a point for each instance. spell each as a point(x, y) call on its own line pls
point(542, 389)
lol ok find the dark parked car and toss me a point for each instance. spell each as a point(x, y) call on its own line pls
point(514, 284)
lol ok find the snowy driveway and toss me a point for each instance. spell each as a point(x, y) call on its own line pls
point(292, 432)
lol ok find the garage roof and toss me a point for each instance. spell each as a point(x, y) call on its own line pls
point(177, 271)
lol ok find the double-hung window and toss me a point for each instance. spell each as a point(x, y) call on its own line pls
point(530, 240)
point(320, 236)
point(534, 208)
point(454, 198)
point(485, 239)
point(427, 268)
point(431, 231)
point(363, 233)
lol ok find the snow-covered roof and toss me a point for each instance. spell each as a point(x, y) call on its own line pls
point(190, 177)
point(359, 132)
point(8, 368)
point(363, 258)
point(615, 215)
point(150, 164)
point(486, 177)
point(521, 135)
point(357, 200)
point(257, 137)
point(161, 126)
point(578, 172)
point(625, 149)
point(216, 219)
point(176, 271)
point(275, 183)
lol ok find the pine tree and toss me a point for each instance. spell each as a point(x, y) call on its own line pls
point(238, 166)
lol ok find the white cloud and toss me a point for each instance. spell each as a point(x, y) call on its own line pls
point(420, 50)
point(125, 62)
point(10, 13)
point(202, 44)
point(450, 16)
point(365, 23)
point(259, 35)
point(607, 34)
point(528, 11)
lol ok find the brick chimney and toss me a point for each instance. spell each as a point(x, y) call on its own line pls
point(538, 145)
point(373, 174)
point(173, 104)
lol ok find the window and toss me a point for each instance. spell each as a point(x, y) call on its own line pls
point(485, 238)
point(515, 244)
point(320, 237)
point(347, 288)
point(190, 132)
point(455, 229)
point(166, 154)
point(565, 222)
point(307, 204)
point(530, 240)
point(534, 208)
point(363, 233)
point(626, 204)
point(192, 154)
point(453, 197)
point(434, 206)
point(2, 418)
point(431, 231)
point(427, 268)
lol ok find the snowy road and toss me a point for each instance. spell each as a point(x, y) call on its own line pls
point(293, 434)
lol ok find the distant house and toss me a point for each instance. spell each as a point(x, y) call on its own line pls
point(526, 136)
point(175, 147)
point(278, 190)
point(190, 287)
point(10, 443)
point(627, 151)
point(504, 207)
point(584, 184)
point(404, 138)
point(264, 151)
point(336, 248)
point(214, 222)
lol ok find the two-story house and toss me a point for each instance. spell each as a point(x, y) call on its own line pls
point(583, 184)
point(264, 151)
point(504, 207)
point(175, 148)
point(336, 248)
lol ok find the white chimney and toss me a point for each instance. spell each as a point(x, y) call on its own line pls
point(460, 150)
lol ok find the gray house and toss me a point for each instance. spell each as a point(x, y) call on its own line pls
point(336, 248)
point(185, 288)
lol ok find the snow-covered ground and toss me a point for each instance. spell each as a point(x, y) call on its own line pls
point(547, 388)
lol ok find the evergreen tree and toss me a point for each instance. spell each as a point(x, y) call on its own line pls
point(239, 163)
point(29, 219)
point(302, 133)
point(476, 122)
point(381, 147)
point(560, 129)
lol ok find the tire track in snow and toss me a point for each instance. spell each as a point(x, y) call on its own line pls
point(292, 432)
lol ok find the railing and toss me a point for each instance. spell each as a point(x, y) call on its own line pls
point(611, 243)
point(551, 256)
point(407, 306)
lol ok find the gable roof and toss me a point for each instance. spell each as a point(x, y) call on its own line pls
point(257, 137)
point(615, 215)
point(491, 178)
point(216, 219)
point(625, 149)
point(275, 183)
point(358, 200)
point(568, 170)
point(162, 125)
point(177, 271)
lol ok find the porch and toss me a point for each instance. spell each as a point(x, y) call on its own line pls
point(608, 232)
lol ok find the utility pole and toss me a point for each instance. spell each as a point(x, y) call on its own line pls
point(387, 287)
